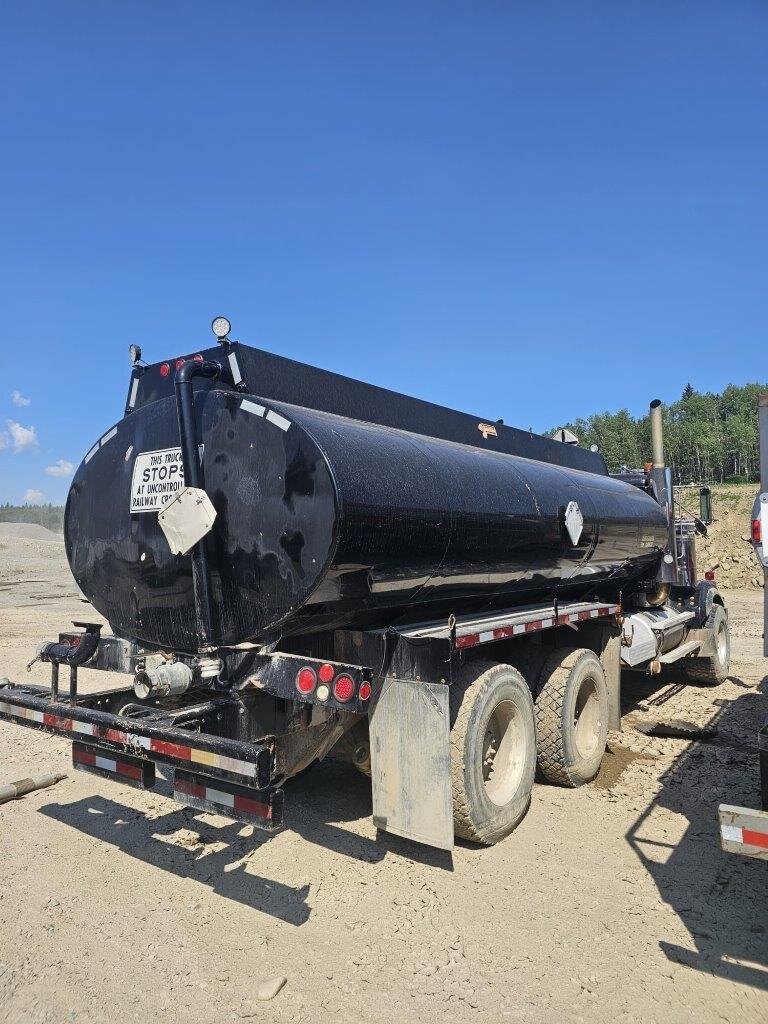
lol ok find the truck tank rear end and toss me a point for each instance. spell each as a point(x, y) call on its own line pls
point(299, 565)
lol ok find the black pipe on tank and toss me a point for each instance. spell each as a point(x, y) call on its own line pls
point(185, 408)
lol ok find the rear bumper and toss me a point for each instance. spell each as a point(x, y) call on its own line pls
point(244, 763)
point(210, 772)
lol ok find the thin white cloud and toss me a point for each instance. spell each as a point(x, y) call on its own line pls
point(18, 399)
point(22, 437)
point(33, 496)
point(62, 467)
point(3, 440)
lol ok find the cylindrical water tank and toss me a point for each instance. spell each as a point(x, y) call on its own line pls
point(324, 521)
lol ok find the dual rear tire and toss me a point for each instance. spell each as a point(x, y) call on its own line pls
point(493, 751)
point(500, 733)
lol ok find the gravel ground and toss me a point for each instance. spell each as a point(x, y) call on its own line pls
point(612, 903)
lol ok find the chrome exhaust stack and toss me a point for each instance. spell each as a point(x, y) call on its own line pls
point(661, 479)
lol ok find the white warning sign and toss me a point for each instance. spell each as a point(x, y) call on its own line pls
point(157, 476)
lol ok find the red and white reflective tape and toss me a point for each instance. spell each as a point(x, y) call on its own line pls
point(744, 836)
point(534, 626)
point(107, 764)
point(181, 751)
point(744, 831)
point(228, 801)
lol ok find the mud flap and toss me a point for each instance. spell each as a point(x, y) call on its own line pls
point(411, 762)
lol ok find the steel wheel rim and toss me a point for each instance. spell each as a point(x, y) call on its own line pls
point(587, 719)
point(722, 644)
point(503, 755)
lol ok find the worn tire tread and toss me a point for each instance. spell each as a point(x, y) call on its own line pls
point(461, 701)
point(548, 711)
point(549, 701)
point(460, 710)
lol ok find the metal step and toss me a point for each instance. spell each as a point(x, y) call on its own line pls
point(672, 620)
point(680, 652)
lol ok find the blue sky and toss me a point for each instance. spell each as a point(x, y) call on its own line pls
point(525, 210)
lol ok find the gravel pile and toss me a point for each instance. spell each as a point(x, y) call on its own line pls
point(727, 548)
point(30, 531)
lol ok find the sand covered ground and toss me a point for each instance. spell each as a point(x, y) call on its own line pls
point(610, 904)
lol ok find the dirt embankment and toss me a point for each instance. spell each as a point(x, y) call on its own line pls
point(727, 548)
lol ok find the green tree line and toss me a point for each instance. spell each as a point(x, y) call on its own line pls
point(708, 438)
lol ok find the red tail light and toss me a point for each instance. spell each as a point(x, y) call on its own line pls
point(198, 358)
point(165, 370)
point(326, 673)
point(179, 363)
point(306, 680)
point(343, 688)
point(757, 533)
point(365, 690)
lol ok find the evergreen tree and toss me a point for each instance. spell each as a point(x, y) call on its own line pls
point(707, 437)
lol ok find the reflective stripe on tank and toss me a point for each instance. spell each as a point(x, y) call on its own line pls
point(236, 376)
point(278, 420)
point(100, 444)
point(259, 410)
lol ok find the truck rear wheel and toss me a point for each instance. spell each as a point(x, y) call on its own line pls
point(713, 669)
point(493, 752)
point(571, 716)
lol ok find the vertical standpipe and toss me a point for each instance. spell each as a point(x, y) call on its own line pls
point(762, 422)
point(661, 478)
point(185, 408)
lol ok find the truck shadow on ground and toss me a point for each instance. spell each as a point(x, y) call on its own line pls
point(719, 897)
point(188, 843)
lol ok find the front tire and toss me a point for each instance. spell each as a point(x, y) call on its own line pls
point(713, 669)
point(493, 751)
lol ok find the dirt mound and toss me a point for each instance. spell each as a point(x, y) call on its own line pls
point(31, 552)
point(727, 548)
point(29, 531)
